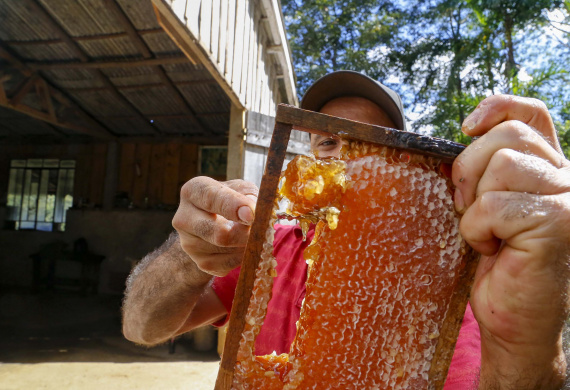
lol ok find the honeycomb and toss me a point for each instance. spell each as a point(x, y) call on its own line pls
point(386, 256)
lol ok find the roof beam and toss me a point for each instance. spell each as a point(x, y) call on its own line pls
point(95, 129)
point(173, 116)
point(23, 89)
point(144, 86)
point(129, 28)
point(146, 53)
point(3, 98)
point(98, 37)
point(44, 14)
point(46, 117)
point(107, 64)
point(183, 39)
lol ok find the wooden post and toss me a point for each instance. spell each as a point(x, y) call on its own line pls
point(236, 141)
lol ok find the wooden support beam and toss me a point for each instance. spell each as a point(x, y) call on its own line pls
point(196, 139)
point(187, 43)
point(47, 103)
point(141, 45)
point(98, 37)
point(144, 86)
point(274, 48)
point(95, 129)
point(49, 19)
point(3, 98)
point(172, 116)
point(42, 13)
point(125, 22)
point(107, 64)
point(23, 90)
point(16, 63)
point(36, 114)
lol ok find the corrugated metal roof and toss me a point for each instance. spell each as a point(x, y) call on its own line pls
point(53, 38)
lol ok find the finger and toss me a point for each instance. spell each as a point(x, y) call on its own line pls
point(196, 246)
point(521, 219)
point(510, 170)
point(470, 165)
point(211, 228)
point(243, 187)
point(218, 264)
point(501, 108)
point(214, 197)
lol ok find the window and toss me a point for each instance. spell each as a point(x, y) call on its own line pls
point(39, 193)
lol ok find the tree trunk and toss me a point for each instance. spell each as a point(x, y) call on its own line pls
point(510, 66)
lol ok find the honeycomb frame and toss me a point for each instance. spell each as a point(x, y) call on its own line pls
point(259, 241)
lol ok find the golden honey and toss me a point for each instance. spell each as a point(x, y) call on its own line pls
point(385, 259)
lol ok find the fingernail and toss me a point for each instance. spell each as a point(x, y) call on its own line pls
point(472, 119)
point(252, 197)
point(459, 202)
point(245, 214)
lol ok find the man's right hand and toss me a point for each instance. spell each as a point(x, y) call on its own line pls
point(213, 222)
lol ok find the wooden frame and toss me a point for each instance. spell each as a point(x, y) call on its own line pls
point(287, 118)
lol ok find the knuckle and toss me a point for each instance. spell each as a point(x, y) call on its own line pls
point(234, 261)
point(212, 267)
point(222, 238)
point(539, 105)
point(178, 222)
point(203, 228)
point(503, 159)
point(243, 186)
point(187, 247)
point(488, 202)
point(194, 189)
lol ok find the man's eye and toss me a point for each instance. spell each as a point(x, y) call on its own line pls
point(328, 142)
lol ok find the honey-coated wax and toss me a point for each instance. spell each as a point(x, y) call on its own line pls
point(385, 259)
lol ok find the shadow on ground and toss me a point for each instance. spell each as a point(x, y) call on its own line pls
point(62, 326)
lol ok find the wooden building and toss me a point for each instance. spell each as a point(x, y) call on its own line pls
point(107, 107)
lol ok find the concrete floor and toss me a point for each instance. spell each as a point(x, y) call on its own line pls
point(61, 340)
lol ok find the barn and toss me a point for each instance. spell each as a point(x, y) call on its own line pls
point(108, 107)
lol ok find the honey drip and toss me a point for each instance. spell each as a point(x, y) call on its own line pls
point(383, 264)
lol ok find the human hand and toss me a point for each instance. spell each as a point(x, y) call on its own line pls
point(513, 186)
point(213, 222)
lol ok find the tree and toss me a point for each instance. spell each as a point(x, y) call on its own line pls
point(443, 56)
point(329, 35)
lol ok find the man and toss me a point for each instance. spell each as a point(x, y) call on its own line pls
point(512, 189)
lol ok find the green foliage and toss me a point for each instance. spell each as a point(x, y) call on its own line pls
point(329, 35)
point(443, 56)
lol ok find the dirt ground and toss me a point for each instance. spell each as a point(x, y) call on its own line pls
point(116, 376)
point(61, 340)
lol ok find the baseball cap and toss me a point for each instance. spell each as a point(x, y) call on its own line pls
point(349, 83)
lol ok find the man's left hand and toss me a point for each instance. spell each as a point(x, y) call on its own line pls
point(513, 187)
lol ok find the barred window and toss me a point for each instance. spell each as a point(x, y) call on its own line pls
point(39, 193)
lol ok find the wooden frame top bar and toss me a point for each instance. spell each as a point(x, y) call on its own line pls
point(314, 122)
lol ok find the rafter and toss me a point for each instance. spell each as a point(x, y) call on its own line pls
point(23, 90)
point(107, 64)
point(129, 28)
point(48, 18)
point(42, 89)
point(3, 98)
point(83, 38)
point(30, 78)
point(141, 45)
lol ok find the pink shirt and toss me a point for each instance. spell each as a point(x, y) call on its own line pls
point(278, 330)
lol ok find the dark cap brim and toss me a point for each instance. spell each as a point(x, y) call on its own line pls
point(349, 83)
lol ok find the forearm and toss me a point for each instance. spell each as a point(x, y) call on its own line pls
point(161, 293)
point(508, 367)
